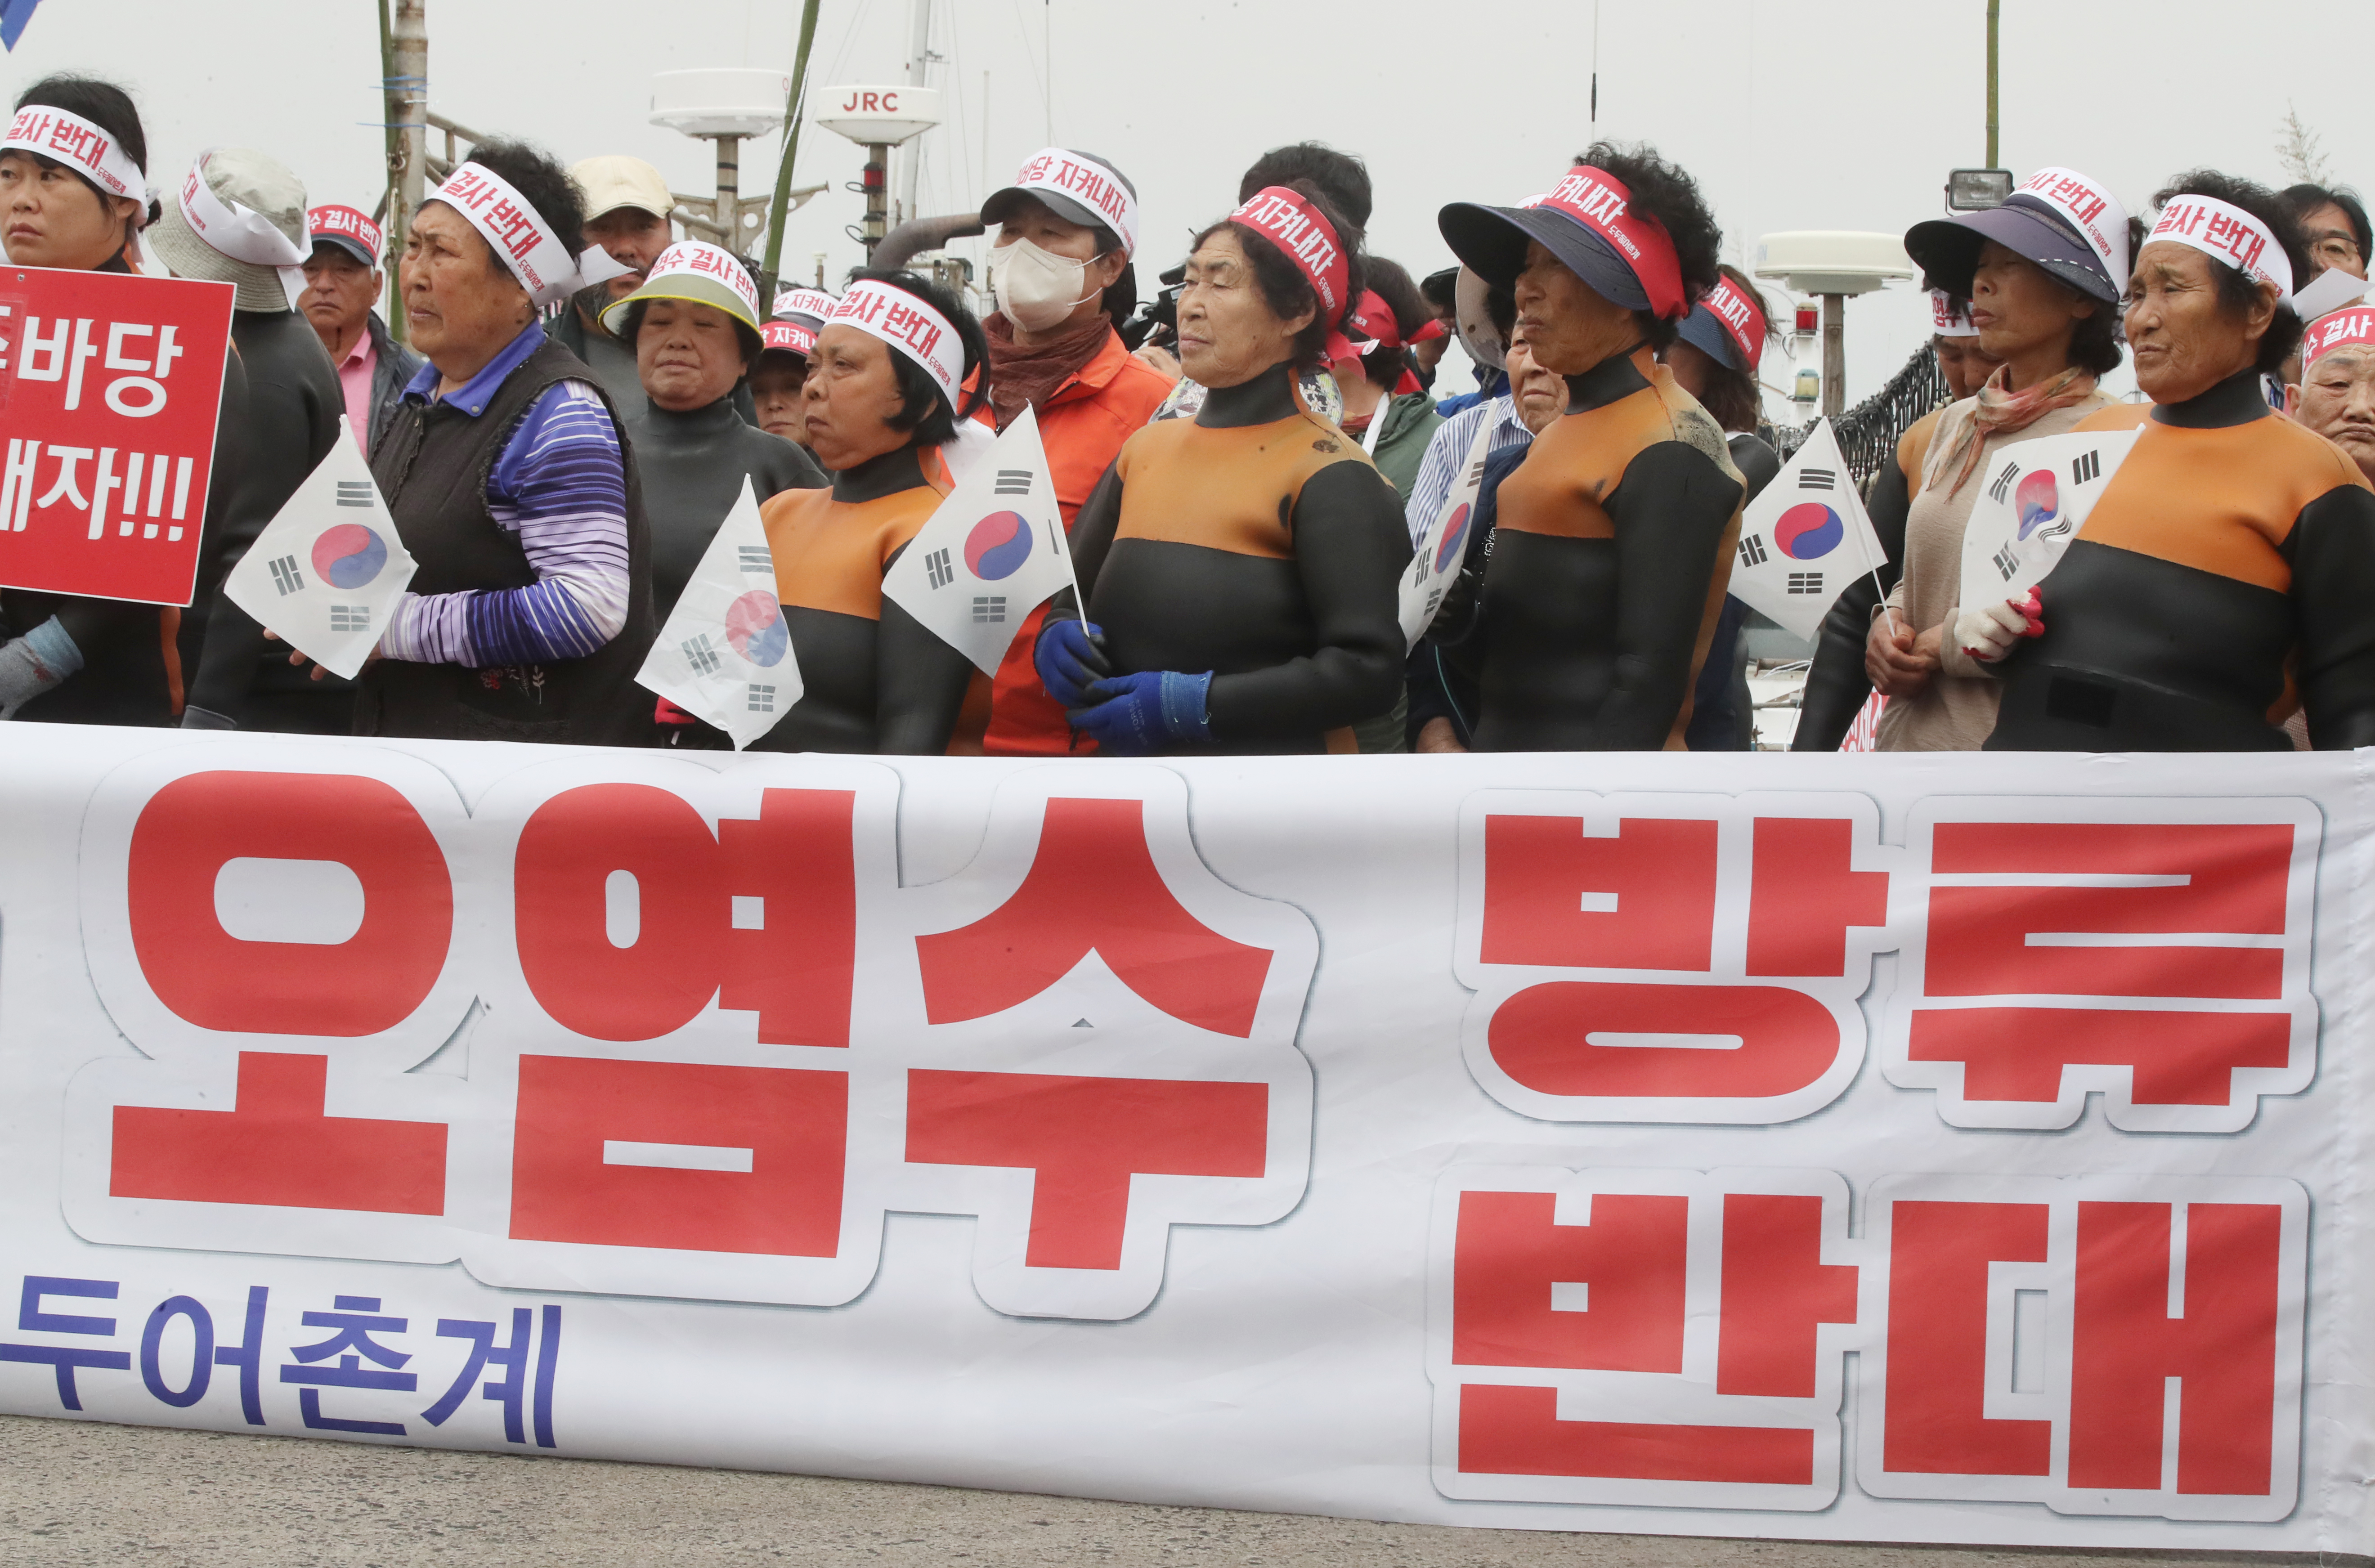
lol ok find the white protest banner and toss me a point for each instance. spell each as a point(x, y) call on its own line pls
point(726, 655)
point(1805, 539)
point(1946, 1147)
point(2034, 498)
point(991, 554)
point(1443, 545)
point(326, 571)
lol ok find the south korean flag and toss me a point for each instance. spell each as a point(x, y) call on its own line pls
point(1445, 544)
point(726, 653)
point(994, 551)
point(2033, 497)
point(1804, 538)
point(326, 571)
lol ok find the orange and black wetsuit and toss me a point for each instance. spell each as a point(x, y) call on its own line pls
point(1608, 569)
point(1836, 686)
point(874, 679)
point(1257, 542)
point(2230, 564)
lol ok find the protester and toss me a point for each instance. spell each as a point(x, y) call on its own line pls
point(1715, 357)
point(1447, 447)
point(506, 475)
point(695, 327)
point(883, 386)
point(1483, 336)
point(2333, 229)
point(1837, 686)
point(1444, 703)
point(2042, 273)
point(1343, 178)
point(2230, 561)
point(785, 345)
point(1240, 569)
point(2336, 394)
point(627, 205)
point(1616, 534)
point(343, 284)
point(73, 659)
point(1385, 409)
point(1427, 350)
point(239, 217)
point(1061, 272)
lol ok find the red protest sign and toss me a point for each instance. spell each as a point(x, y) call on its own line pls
point(110, 386)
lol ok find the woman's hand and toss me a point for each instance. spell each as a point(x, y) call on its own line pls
point(1162, 361)
point(1989, 632)
point(1437, 737)
point(299, 661)
point(1898, 662)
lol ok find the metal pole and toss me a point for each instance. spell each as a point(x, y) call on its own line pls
point(727, 208)
point(407, 105)
point(1835, 355)
point(782, 206)
point(1995, 9)
point(919, 53)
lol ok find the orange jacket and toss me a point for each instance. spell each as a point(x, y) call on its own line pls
point(1083, 424)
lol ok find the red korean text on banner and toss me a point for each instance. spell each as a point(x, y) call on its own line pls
point(109, 386)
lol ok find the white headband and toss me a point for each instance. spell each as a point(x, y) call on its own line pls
point(1948, 319)
point(909, 324)
point(1087, 181)
point(2227, 234)
point(533, 253)
point(2086, 207)
point(803, 303)
point(698, 258)
point(70, 138)
point(240, 232)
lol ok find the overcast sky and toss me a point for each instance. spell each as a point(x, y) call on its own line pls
point(1792, 114)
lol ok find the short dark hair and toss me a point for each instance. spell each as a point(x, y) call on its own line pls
point(1285, 289)
point(2304, 199)
point(1388, 281)
point(2237, 291)
point(632, 319)
point(1341, 176)
point(924, 410)
point(102, 103)
point(1661, 191)
point(538, 176)
point(1732, 398)
point(1441, 290)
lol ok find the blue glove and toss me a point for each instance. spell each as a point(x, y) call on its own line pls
point(1143, 711)
point(1069, 661)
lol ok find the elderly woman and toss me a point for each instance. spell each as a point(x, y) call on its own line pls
point(1062, 274)
point(1240, 567)
point(2336, 394)
point(1615, 535)
point(884, 385)
point(781, 371)
point(2225, 571)
point(505, 472)
point(73, 659)
point(2043, 274)
point(694, 326)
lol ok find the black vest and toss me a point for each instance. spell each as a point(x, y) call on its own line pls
point(434, 465)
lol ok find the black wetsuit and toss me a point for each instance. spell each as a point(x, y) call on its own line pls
point(2230, 564)
point(1836, 686)
point(1260, 543)
point(294, 406)
point(875, 681)
point(693, 466)
point(1722, 718)
point(1608, 569)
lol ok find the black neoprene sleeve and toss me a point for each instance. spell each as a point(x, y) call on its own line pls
point(1352, 545)
point(919, 684)
point(2332, 550)
point(1670, 512)
point(1837, 687)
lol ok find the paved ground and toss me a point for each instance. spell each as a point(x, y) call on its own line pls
point(74, 1492)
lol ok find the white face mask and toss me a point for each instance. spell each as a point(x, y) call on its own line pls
point(1034, 290)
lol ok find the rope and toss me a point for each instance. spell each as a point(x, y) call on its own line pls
point(1867, 433)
